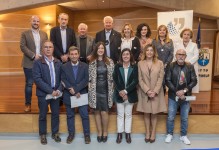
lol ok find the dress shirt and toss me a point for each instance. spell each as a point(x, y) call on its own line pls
point(64, 40)
point(107, 33)
point(36, 36)
point(52, 71)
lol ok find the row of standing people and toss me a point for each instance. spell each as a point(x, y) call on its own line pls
point(63, 37)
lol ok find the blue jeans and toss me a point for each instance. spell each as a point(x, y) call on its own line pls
point(83, 110)
point(184, 113)
point(28, 85)
point(43, 107)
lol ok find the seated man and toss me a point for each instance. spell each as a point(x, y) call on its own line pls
point(47, 76)
point(75, 81)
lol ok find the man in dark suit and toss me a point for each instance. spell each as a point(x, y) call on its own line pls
point(30, 44)
point(74, 76)
point(62, 37)
point(111, 38)
point(84, 42)
point(47, 77)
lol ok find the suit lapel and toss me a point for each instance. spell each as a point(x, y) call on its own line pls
point(146, 69)
point(112, 35)
point(121, 69)
point(71, 72)
point(67, 37)
point(129, 72)
point(87, 44)
point(32, 38)
point(79, 70)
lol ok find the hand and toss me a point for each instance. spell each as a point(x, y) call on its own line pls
point(54, 93)
point(149, 93)
point(37, 56)
point(72, 91)
point(152, 95)
point(125, 97)
point(122, 93)
point(180, 93)
point(64, 58)
point(78, 95)
point(58, 92)
point(182, 97)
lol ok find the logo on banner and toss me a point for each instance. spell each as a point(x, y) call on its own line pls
point(204, 57)
point(176, 26)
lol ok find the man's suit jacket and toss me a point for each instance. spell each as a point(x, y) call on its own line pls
point(89, 44)
point(55, 37)
point(115, 42)
point(28, 47)
point(42, 79)
point(68, 79)
point(130, 86)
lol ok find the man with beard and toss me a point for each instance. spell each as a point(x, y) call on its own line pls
point(30, 44)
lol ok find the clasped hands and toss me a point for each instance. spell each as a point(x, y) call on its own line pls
point(72, 91)
point(151, 94)
point(56, 93)
point(123, 95)
point(181, 95)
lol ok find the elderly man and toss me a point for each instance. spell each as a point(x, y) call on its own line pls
point(84, 42)
point(47, 77)
point(111, 38)
point(180, 79)
point(30, 44)
point(62, 37)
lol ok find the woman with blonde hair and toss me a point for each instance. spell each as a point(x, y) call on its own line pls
point(150, 93)
point(130, 41)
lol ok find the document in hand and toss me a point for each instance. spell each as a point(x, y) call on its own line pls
point(188, 98)
point(82, 100)
point(49, 96)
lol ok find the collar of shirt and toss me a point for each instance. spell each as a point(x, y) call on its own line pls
point(62, 29)
point(35, 31)
point(75, 64)
point(125, 67)
point(47, 59)
point(108, 31)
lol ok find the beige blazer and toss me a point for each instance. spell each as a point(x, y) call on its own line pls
point(89, 45)
point(151, 81)
point(27, 46)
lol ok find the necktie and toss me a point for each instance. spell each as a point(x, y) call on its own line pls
point(51, 74)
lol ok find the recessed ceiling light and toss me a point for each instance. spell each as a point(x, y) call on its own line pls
point(103, 1)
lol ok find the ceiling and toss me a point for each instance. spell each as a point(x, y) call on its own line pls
point(96, 4)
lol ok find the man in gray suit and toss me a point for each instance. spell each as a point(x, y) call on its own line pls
point(84, 42)
point(30, 44)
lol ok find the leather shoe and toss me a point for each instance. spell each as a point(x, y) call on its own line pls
point(104, 139)
point(56, 137)
point(99, 139)
point(87, 139)
point(27, 108)
point(128, 138)
point(43, 139)
point(147, 140)
point(70, 138)
point(119, 138)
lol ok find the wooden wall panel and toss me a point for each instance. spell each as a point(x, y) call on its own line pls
point(10, 49)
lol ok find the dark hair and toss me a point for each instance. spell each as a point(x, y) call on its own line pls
point(94, 54)
point(132, 61)
point(73, 48)
point(139, 28)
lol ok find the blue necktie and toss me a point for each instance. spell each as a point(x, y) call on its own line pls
point(75, 70)
point(51, 74)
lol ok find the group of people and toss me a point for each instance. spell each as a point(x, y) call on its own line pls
point(124, 68)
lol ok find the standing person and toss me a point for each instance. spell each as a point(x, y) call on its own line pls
point(192, 51)
point(180, 79)
point(84, 41)
point(47, 77)
point(111, 38)
point(125, 77)
point(30, 44)
point(62, 37)
point(143, 33)
point(130, 41)
point(75, 81)
point(100, 89)
point(151, 99)
point(164, 46)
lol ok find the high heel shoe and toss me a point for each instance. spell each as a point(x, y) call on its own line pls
point(147, 140)
point(99, 139)
point(104, 139)
point(152, 140)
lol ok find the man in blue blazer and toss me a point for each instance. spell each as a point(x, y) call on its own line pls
point(74, 76)
point(111, 38)
point(62, 37)
point(47, 77)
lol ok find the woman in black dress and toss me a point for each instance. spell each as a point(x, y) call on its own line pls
point(101, 88)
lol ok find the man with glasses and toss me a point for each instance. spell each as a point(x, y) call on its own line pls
point(180, 79)
point(111, 38)
point(47, 77)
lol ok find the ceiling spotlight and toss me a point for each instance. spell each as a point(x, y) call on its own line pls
point(103, 1)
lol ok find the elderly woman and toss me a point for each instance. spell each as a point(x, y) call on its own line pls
point(150, 94)
point(191, 49)
point(130, 41)
point(100, 89)
point(125, 78)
